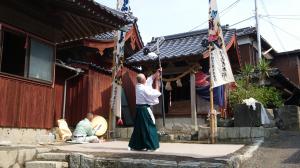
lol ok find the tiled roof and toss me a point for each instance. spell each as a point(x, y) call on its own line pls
point(103, 36)
point(245, 31)
point(251, 31)
point(93, 5)
point(110, 35)
point(179, 45)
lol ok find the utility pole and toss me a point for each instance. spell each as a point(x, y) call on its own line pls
point(257, 32)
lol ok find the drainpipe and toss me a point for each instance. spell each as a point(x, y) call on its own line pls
point(78, 71)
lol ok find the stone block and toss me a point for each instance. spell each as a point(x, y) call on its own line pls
point(245, 116)
point(212, 165)
point(74, 160)
point(166, 137)
point(129, 131)
point(245, 132)
point(257, 132)
point(177, 128)
point(189, 164)
point(53, 156)
point(141, 163)
point(46, 164)
point(222, 133)
point(106, 163)
point(21, 135)
point(203, 133)
point(43, 150)
point(184, 137)
point(163, 164)
point(232, 132)
point(125, 162)
point(25, 155)
point(123, 133)
point(8, 158)
point(87, 161)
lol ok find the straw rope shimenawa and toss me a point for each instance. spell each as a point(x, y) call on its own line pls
point(193, 69)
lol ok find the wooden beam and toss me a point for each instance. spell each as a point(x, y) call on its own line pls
point(193, 101)
point(76, 23)
point(84, 26)
point(67, 27)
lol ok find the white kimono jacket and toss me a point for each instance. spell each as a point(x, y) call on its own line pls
point(145, 94)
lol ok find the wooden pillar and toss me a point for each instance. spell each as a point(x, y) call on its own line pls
point(193, 101)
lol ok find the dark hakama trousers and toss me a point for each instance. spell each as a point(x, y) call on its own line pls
point(144, 134)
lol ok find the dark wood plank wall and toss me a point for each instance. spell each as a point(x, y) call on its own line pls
point(25, 104)
point(129, 82)
point(77, 99)
point(90, 93)
point(99, 93)
point(246, 54)
point(288, 65)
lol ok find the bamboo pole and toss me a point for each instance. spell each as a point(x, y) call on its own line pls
point(193, 101)
point(111, 115)
point(213, 124)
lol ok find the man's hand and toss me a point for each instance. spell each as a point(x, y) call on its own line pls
point(157, 73)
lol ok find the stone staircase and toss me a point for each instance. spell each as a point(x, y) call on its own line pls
point(49, 160)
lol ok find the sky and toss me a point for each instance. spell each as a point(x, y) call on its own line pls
point(165, 17)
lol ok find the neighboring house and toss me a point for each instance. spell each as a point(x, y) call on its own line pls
point(289, 64)
point(90, 91)
point(30, 33)
point(286, 73)
point(181, 55)
point(247, 41)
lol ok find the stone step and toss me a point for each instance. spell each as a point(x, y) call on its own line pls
point(53, 156)
point(46, 164)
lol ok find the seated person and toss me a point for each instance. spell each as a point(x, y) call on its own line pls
point(84, 131)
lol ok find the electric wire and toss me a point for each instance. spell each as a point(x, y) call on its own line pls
point(274, 30)
point(241, 21)
point(221, 14)
point(284, 31)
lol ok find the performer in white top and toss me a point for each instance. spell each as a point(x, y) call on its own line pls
point(144, 136)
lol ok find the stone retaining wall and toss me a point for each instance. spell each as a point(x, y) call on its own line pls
point(16, 157)
point(290, 116)
point(78, 160)
point(21, 135)
point(227, 133)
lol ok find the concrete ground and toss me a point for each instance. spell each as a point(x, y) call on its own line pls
point(281, 151)
point(171, 149)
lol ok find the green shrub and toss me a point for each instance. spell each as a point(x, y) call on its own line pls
point(270, 97)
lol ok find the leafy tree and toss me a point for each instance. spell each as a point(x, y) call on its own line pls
point(263, 68)
point(246, 88)
point(246, 72)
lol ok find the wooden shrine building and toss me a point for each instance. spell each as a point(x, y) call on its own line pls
point(30, 32)
point(90, 90)
point(183, 55)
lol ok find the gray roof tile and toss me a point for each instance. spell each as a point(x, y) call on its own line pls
point(179, 45)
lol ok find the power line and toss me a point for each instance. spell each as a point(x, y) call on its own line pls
point(281, 29)
point(283, 18)
point(221, 14)
point(283, 15)
point(275, 32)
point(241, 21)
